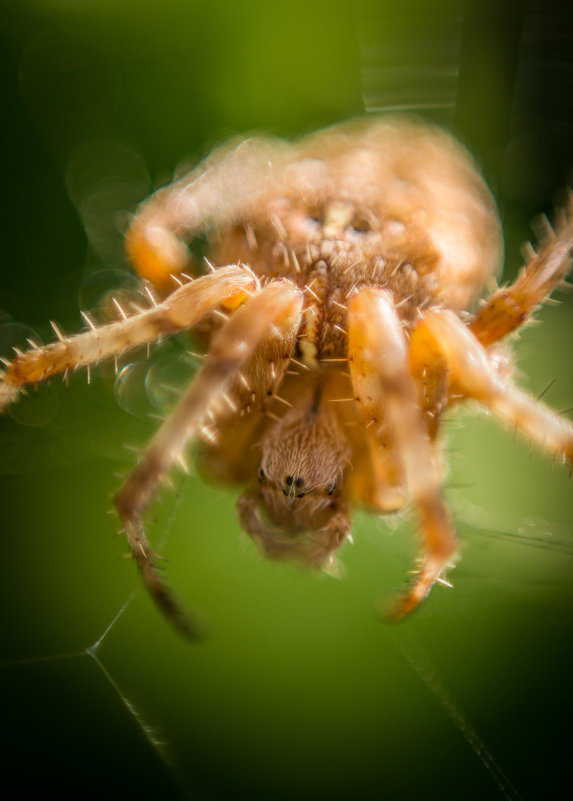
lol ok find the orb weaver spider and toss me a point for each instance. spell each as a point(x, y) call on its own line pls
point(343, 270)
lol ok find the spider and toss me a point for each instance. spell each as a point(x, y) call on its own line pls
point(337, 313)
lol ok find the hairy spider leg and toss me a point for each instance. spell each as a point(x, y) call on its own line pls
point(472, 374)
point(509, 307)
point(275, 311)
point(228, 286)
point(209, 197)
point(385, 391)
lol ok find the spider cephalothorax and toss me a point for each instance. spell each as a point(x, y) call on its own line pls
point(337, 312)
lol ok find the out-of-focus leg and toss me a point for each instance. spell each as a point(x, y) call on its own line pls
point(228, 286)
point(274, 312)
point(510, 307)
point(386, 394)
point(210, 196)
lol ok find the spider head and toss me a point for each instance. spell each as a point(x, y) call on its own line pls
point(297, 512)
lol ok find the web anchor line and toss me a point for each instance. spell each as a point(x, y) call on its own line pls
point(149, 733)
point(414, 654)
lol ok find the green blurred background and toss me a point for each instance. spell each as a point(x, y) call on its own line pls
point(300, 692)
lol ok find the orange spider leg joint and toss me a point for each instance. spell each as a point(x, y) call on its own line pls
point(228, 287)
point(157, 254)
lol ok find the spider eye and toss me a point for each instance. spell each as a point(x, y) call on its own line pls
point(261, 475)
point(331, 488)
point(360, 225)
point(291, 481)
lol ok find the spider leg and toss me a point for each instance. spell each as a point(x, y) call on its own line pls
point(509, 307)
point(210, 196)
point(385, 390)
point(228, 286)
point(472, 374)
point(275, 311)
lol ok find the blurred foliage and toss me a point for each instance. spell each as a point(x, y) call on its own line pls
point(300, 692)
